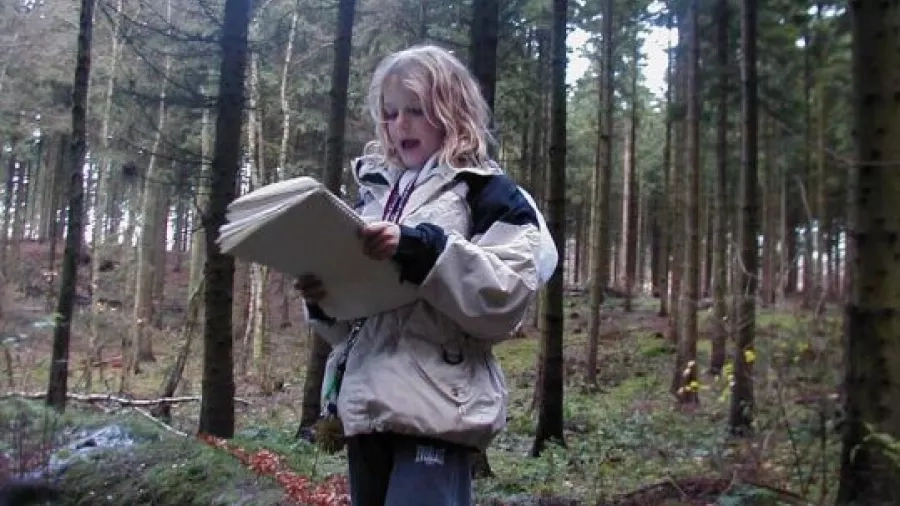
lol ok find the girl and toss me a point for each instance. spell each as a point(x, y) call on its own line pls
point(420, 388)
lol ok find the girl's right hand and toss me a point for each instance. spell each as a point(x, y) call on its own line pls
point(311, 288)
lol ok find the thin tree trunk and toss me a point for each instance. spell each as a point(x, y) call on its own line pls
point(217, 404)
point(742, 404)
point(677, 194)
point(770, 203)
point(59, 364)
point(718, 329)
point(819, 197)
point(665, 199)
point(602, 182)
point(148, 250)
point(550, 412)
point(631, 228)
point(807, 186)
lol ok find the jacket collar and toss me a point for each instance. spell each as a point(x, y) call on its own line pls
point(374, 174)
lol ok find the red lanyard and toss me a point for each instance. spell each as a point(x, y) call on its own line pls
point(395, 203)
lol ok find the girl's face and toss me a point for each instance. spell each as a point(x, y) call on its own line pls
point(410, 133)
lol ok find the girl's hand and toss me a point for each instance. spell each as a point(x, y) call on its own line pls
point(311, 288)
point(380, 239)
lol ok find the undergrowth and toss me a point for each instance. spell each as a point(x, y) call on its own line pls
point(621, 435)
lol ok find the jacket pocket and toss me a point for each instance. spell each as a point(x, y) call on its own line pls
point(446, 369)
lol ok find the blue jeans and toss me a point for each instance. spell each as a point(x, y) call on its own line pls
point(395, 470)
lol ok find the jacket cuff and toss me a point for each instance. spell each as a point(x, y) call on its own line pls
point(418, 250)
point(316, 312)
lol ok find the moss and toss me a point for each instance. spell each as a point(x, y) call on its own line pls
point(167, 472)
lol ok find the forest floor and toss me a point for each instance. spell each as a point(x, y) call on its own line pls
point(627, 442)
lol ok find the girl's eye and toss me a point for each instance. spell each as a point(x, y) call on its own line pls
point(389, 115)
point(416, 111)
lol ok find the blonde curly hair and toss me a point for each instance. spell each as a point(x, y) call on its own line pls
point(451, 100)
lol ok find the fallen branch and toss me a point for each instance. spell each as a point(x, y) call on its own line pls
point(113, 398)
point(146, 414)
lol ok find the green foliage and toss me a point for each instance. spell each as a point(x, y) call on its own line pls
point(626, 435)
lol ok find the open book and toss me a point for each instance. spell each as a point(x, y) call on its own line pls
point(297, 226)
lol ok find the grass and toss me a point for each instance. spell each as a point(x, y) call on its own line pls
point(620, 437)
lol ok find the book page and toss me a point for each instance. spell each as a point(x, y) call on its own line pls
point(318, 233)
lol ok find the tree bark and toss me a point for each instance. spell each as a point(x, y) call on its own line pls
point(869, 474)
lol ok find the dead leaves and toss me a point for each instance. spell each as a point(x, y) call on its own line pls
point(332, 492)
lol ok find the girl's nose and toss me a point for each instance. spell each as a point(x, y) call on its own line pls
point(402, 119)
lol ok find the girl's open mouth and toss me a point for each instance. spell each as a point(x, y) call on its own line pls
point(407, 144)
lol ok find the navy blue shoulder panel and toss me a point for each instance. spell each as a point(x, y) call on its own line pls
point(374, 178)
point(496, 198)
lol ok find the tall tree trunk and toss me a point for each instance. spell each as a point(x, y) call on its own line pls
point(806, 188)
point(818, 198)
point(217, 401)
point(741, 414)
point(685, 374)
point(550, 411)
point(602, 182)
point(256, 337)
point(770, 203)
point(59, 364)
point(334, 155)
point(666, 203)
point(677, 177)
point(631, 229)
point(718, 331)
point(869, 473)
point(148, 249)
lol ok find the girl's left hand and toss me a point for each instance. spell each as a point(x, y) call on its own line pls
point(380, 239)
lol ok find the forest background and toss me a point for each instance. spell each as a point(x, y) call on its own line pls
point(696, 162)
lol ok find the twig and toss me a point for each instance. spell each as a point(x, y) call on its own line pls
point(112, 398)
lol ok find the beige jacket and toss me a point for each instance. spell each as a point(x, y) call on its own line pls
point(469, 241)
